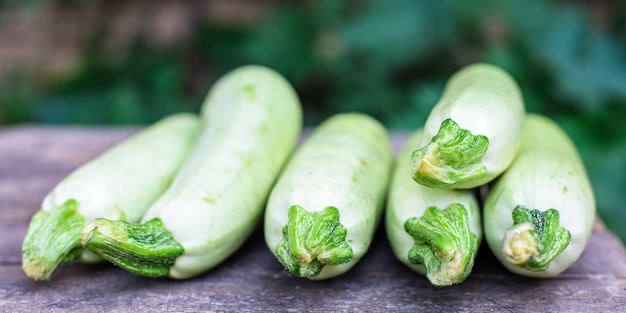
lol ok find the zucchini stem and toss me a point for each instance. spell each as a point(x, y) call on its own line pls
point(312, 240)
point(444, 244)
point(535, 238)
point(146, 249)
point(453, 156)
point(53, 238)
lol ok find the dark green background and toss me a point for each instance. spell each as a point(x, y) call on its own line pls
point(386, 58)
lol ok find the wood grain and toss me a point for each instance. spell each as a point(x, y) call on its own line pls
point(34, 158)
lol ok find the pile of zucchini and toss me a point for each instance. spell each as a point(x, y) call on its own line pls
point(539, 207)
point(179, 197)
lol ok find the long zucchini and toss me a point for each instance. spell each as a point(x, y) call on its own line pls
point(473, 133)
point(122, 183)
point(539, 214)
point(323, 212)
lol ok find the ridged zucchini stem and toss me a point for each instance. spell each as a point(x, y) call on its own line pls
point(453, 156)
point(53, 238)
point(444, 243)
point(146, 249)
point(535, 238)
point(312, 240)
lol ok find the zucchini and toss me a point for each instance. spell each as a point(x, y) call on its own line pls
point(251, 123)
point(322, 214)
point(435, 232)
point(539, 214)
point(473, 133)
point(119, 184)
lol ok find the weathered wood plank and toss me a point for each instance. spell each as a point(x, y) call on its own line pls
point(33, 159)
point(252, 279)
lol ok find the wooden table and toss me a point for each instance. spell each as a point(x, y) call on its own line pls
point(34, 158)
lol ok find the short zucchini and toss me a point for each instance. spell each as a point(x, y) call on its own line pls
point(121, 183)
point(435, 232)
point(322, 214)
point(473, 133)
point(251, 123)
point(539, 214)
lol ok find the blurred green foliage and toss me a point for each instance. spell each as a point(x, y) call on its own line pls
point(386, 58)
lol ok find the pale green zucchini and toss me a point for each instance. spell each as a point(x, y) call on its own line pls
point(473, 132)
point(251, 123)
point(322, 214)
point(119, 184)
point(435, 232)
point(539, 214)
